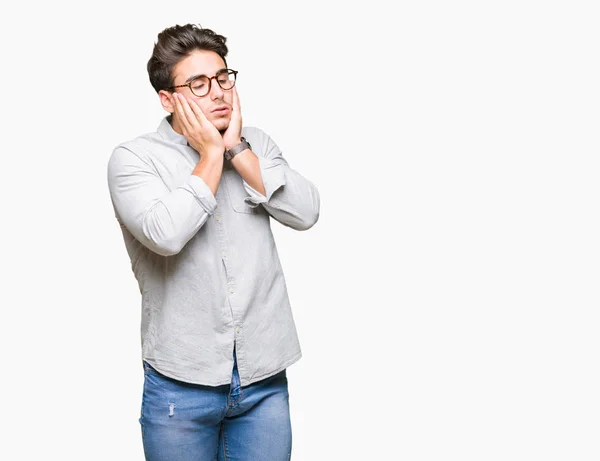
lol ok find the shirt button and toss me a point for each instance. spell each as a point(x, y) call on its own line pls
point(218, 217)
point(238, 330)
point(231, 290)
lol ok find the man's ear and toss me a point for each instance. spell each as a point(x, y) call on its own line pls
point(166, 99)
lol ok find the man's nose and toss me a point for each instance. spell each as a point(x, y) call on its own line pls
point(216, 91)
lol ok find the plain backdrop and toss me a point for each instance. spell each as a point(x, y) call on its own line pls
point(446, 301)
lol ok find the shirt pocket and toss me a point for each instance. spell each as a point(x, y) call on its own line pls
point(237, 193)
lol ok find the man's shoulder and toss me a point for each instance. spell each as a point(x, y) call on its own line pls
point(258, 139)
point(142, 143)
point(251, 132)
point(142, 146)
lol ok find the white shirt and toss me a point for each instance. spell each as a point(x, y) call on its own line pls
point(207, 265)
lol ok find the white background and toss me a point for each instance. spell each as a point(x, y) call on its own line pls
point(447, 299)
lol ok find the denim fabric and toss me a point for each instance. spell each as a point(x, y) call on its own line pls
point(191, 422)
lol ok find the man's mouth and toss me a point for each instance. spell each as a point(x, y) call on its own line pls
point(221, 110)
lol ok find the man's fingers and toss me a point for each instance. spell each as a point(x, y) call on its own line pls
point(181, 112)
point(236, 100)
point(198, 112)
point(188, 112)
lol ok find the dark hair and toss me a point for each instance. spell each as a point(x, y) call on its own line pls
point(176, 43)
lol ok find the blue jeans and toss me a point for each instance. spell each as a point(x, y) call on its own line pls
point(191, 422)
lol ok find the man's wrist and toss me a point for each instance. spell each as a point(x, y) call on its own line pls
point(230, 144)
point(236, 149)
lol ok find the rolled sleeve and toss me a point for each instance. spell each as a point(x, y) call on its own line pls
point(161, 219)
point(273, 177)
point(289, 197)
point(200, 190)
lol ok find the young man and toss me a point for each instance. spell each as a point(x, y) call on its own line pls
point(194, 201)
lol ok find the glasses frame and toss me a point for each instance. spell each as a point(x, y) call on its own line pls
point(210, 79)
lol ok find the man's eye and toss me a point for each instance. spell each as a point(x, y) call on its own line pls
point(197, 85)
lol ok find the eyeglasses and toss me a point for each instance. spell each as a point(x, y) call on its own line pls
point(200, 86)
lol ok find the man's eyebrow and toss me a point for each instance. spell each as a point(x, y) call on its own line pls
point(193, 77)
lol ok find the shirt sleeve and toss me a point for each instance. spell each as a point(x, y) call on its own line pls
point(290, 198)
point(161, 219)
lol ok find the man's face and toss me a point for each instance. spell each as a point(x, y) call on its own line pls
point(217, 104)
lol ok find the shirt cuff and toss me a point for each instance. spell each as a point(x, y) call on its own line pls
point(200, 190)
point(273, 177)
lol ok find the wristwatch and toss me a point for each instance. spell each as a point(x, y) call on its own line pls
point(230, 153)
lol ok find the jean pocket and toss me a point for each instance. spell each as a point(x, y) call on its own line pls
point(150, 370)
point(147, 368)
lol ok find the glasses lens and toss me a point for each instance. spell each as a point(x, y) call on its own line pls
point(226, 80)
point(199, 86)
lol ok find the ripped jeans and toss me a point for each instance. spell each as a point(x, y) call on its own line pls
point(191, 422)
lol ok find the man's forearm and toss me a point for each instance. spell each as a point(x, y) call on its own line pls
point(298, 202)
point(210, 170)
point(247, 165)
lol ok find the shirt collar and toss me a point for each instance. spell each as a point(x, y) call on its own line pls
point(167, 132)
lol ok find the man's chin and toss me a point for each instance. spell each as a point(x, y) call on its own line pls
point(221, 124)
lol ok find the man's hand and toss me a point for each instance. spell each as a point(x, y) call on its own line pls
point(197, 129)
point(233, 133)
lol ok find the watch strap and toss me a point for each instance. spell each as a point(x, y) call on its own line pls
point(230, 153)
